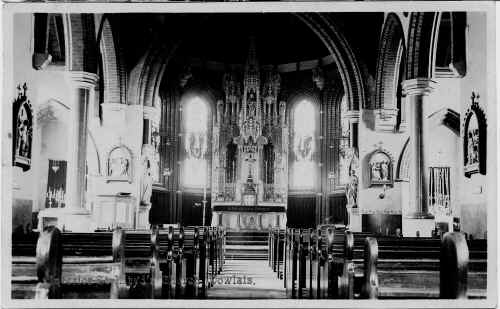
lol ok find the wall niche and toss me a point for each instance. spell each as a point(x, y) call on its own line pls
point(474, 139)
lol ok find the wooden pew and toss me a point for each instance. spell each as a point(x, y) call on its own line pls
point(69, 265)
point(189, 258)
point(290, 279)
point(131, 264)
point(24, 278)
point(276, 247)
point(279, 253)
point(418, 268)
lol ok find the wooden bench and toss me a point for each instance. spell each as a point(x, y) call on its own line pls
point(186, 260)
point(422, 268)
point(69, 265)
point(276, 247)
point(119, 264)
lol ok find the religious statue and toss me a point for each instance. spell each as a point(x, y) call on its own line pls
point(475, 138)
point(22, 129)
point(380, 168)
point(119, 164)
point(473, 151)
point(146, 183)
point(22, 145)
point(352, 189)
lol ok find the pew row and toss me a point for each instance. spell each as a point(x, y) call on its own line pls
point(330, 262)
point(119, 264)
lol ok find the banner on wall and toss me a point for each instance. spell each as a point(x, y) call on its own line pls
point(56, 184)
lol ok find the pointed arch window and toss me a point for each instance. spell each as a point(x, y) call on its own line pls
point(304, 146)
point(195, 123)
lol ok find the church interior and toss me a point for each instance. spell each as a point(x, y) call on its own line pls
point(290, 149)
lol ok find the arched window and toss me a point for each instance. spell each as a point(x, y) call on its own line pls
point(195, 122)
point(304, 146)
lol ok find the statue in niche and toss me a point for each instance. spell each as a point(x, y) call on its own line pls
point(22, 129)
point(475, 139)
point(352, 189)
point(380, 167)
point(119, 164)
point(23, 138)
point(146, 183)
point(473, 142)
point(155, 138)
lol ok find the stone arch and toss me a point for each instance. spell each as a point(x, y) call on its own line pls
point(347, 65)
point(391, 54)
point(422, 38)
point(403, 167)
point(80, 43)
point(111, 71)
point(93, 159)
point(146, 77)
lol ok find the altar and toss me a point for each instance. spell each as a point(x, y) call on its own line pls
point(250, 151)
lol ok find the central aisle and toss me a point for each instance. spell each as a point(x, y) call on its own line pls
point(246, 279)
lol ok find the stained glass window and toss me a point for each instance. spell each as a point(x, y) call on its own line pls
point(304, 127)
point(195, 119)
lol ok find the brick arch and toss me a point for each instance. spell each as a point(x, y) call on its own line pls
point(347, 65)
point(112, 73)
point(422, 37)
point(391, 54)
point(80, 43)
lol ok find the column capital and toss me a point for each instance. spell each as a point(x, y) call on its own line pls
point(81, 79)
point(352, 115)
point(418, 86)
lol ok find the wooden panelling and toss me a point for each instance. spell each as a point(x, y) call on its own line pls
point(191, 214)
point(337, 208)
point(301, 211)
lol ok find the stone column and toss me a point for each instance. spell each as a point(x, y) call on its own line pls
point(417, 217)
point(77, 218)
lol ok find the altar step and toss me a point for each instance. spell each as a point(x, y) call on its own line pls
point(246, 245)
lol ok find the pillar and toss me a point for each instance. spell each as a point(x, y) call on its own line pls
point(76, 217)
point(417, 218)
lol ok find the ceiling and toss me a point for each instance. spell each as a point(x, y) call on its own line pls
point(224, 37)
